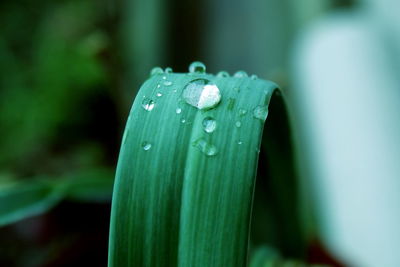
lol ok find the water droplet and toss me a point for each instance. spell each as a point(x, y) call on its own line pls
point(167, 83)
point(197, 67)
point(146, 146)
point(261, 112)
point(178, 110)
point(238, 124)
point(209, 125)
point(205, 147)
point(174, 91)
point(164, 77)
point(242, 112)
point(254, 77)
point(183, 121)
point(148, 104)
point(168, 70)
point(223, 74)
point(240, 142)
point(159, 94)
point(156, 70)
point(202, 94)
point(240, 74)
point(158, 85)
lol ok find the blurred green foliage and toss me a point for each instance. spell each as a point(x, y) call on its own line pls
point(50, 68)
point(59, 127)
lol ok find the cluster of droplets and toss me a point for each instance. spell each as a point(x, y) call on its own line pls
point(202, 94)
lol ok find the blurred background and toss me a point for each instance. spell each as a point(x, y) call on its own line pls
point(70, 69)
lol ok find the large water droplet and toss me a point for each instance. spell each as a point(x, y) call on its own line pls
point(146, 146)
point(205, 147)
point(156, 70)
point(209, 124)
point(261, 112)
point(240, 74)
point(148, 104)
point(223, 74)
point(197, 67)
point(168, 70)
point(202, 94)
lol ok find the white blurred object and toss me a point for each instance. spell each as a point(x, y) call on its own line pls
point(347, 90)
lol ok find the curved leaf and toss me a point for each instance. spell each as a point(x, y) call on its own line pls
point(183, 193)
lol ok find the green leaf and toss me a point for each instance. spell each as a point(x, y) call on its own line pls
point(20, 199)
point(24, 199)
point(93, 185)
point(183, 195)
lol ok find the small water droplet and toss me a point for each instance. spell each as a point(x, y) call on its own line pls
point(223, 74)
point(168, 70)
point(240, 142)
point(148, 104)
point(240, 74)
point(209, 125)
point(146, 146)
point(254, 77)
point(242, 112)
point(260, 112)
point(156, 70)
point(158, 85)
point(159, 94)
point(197, 67)
point(205, 147)
point(202, 94)
point(174, 91)
point(183, 121)
point(164, 77)
point(178, 110)
point(167, 83)
point(238, 124)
